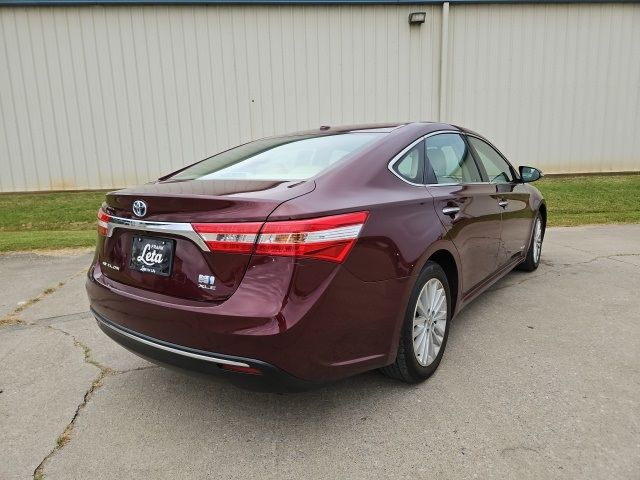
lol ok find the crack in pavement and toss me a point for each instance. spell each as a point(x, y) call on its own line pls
point(61, 319)
point(104, 371)
point(594, 259)
point(581, 250)
point(559, 267)
point(611, 257)
point(13, 318)
point(65, 437)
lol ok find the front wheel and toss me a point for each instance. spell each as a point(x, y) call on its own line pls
point(532, 260)
point(425, 329)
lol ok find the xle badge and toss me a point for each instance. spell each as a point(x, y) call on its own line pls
point(206, 282)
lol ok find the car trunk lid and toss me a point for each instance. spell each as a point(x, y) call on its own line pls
point(161, 250)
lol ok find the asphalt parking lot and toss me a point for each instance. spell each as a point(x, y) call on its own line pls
point(541, 379)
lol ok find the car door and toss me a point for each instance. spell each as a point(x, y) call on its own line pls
point(466, 205)
point(513, 199)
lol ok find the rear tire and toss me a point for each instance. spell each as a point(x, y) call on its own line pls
point(425, 329)
point(532, 259)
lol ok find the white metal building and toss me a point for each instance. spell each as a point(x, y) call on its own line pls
point(100, 95)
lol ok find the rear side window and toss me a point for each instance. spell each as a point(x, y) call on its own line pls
point(282, 158)
point(410, 166)
point(497, 168)
point(450, 160)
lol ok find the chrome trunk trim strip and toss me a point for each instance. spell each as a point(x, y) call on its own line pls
point(174, 228)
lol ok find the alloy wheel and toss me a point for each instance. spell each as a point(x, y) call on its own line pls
point(537, 240)
point(429, 322)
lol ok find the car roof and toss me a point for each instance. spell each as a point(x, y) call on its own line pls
point(360, 128)
point(377, 128)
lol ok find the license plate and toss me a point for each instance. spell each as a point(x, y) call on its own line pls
point(152, 255)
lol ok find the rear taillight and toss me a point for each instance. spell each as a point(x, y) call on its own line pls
point(103, 223)
point(229, 237)
point(326, 238)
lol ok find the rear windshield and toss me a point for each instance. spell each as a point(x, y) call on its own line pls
point(282, 158)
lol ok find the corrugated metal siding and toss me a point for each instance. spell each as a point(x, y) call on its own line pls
point(104, 97)
point(556, 86)
point(100, 97)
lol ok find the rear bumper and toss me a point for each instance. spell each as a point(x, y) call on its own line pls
point(311, 322)
point(190, 360)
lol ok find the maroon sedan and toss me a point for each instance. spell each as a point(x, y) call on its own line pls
point(302, 259)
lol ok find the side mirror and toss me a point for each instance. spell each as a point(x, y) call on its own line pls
point(530, 174)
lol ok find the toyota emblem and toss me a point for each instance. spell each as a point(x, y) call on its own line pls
point(139, 208)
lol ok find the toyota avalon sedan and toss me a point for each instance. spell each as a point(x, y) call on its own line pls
point(302, 259)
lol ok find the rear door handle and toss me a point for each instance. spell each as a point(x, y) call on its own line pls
point(503, 203)
point(450, 210)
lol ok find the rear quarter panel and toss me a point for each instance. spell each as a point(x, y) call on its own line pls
point(399, 229)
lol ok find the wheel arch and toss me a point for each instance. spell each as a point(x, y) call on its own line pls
point(444, 254)
point(543, 213)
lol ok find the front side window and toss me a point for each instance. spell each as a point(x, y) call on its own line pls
point(497, 168)
point(450, 160)
point(282, 158)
